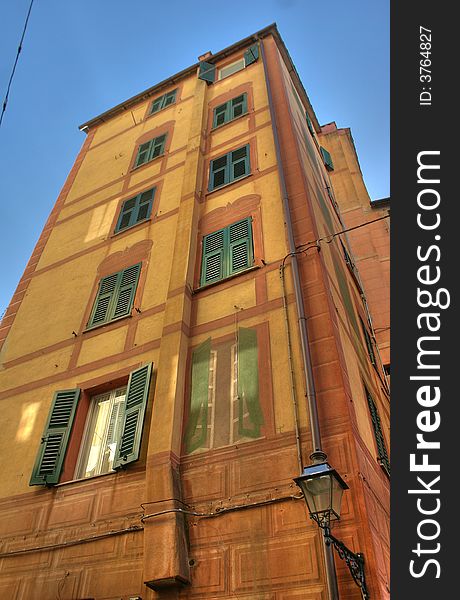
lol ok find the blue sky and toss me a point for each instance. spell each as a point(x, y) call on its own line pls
point(82, 57)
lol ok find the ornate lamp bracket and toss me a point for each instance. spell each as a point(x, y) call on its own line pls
point(354, 562)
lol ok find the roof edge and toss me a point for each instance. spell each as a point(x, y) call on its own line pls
point(119, 108)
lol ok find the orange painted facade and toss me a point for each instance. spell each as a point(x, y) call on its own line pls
point(209, 509)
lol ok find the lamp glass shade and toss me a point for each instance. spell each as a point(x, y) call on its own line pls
point(322, 488)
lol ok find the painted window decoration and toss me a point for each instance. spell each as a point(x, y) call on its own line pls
point(135, 210)
point(163, 101)
point(209, 73)
point(230, 167)
point(113, 430)
point(382, 456)
point(227, 252)
point(224, 401)
point(230, 110)
point(115, 296)
point(150, 150)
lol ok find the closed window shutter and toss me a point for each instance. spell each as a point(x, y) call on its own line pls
point(221, 114)
point(251, 54)
point(156, 105)
point(127, 213)
point(133, 419)
point(239, 163)
point(124, 295)
point(207, 72)
point(135, 210)
point(213, 257)
point(238, 106)
point(327, 159)
point(196, 432)
point(248, 383)
point(143, 153)
point(380, 440)
point(240, 246)
point(157, 147)
point(219, 173)
point(51, 454)
point(102, 305)
point(169, 98)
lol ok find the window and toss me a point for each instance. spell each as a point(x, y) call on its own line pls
point(115, 296)
point(310, 124)
point(382, 456)
point(369, 346)
point(135, 210)
point(224, 400)
point(230, 110)
point(234, 67)
point(227, 251)
point(229, 168)
point(163, 101)
point(112, 435)
point(150, 150)
point(102, 433)
point(327, 159)
point(207, 71)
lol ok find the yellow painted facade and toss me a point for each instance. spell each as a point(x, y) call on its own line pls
point(269, 550)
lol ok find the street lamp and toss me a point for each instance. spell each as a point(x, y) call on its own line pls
point(322, 488)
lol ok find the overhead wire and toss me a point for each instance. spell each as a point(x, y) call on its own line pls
point(5, 101)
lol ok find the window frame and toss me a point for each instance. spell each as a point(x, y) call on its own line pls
point(225, 252)
point(67, 418)
point(228, 168)
point(148, 148)
point(113, 295)
point(163, 102)
point(135, 210)
point(228, 111)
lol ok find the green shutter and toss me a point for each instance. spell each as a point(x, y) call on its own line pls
point(240, 164)
point(115, 296)
point(124, 295)
point(219, 172)
point(133, 419)
point(248, 383)
point(197, 424)
point(207, 72)
point(101, 310)
point(143, 154)
point(240, 255)
point(135, 210)
point(213, 263)
point(51, 454)
point(251, 54)
point(309, 124)
point(327, 159)
point(380, 440)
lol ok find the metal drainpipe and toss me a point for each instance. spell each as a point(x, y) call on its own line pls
point(318, 455)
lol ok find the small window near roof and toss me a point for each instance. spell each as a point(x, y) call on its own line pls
point(163, 102)
point(234, 67)
point(230, 110)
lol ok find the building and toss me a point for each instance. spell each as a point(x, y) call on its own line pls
point(187, 305)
